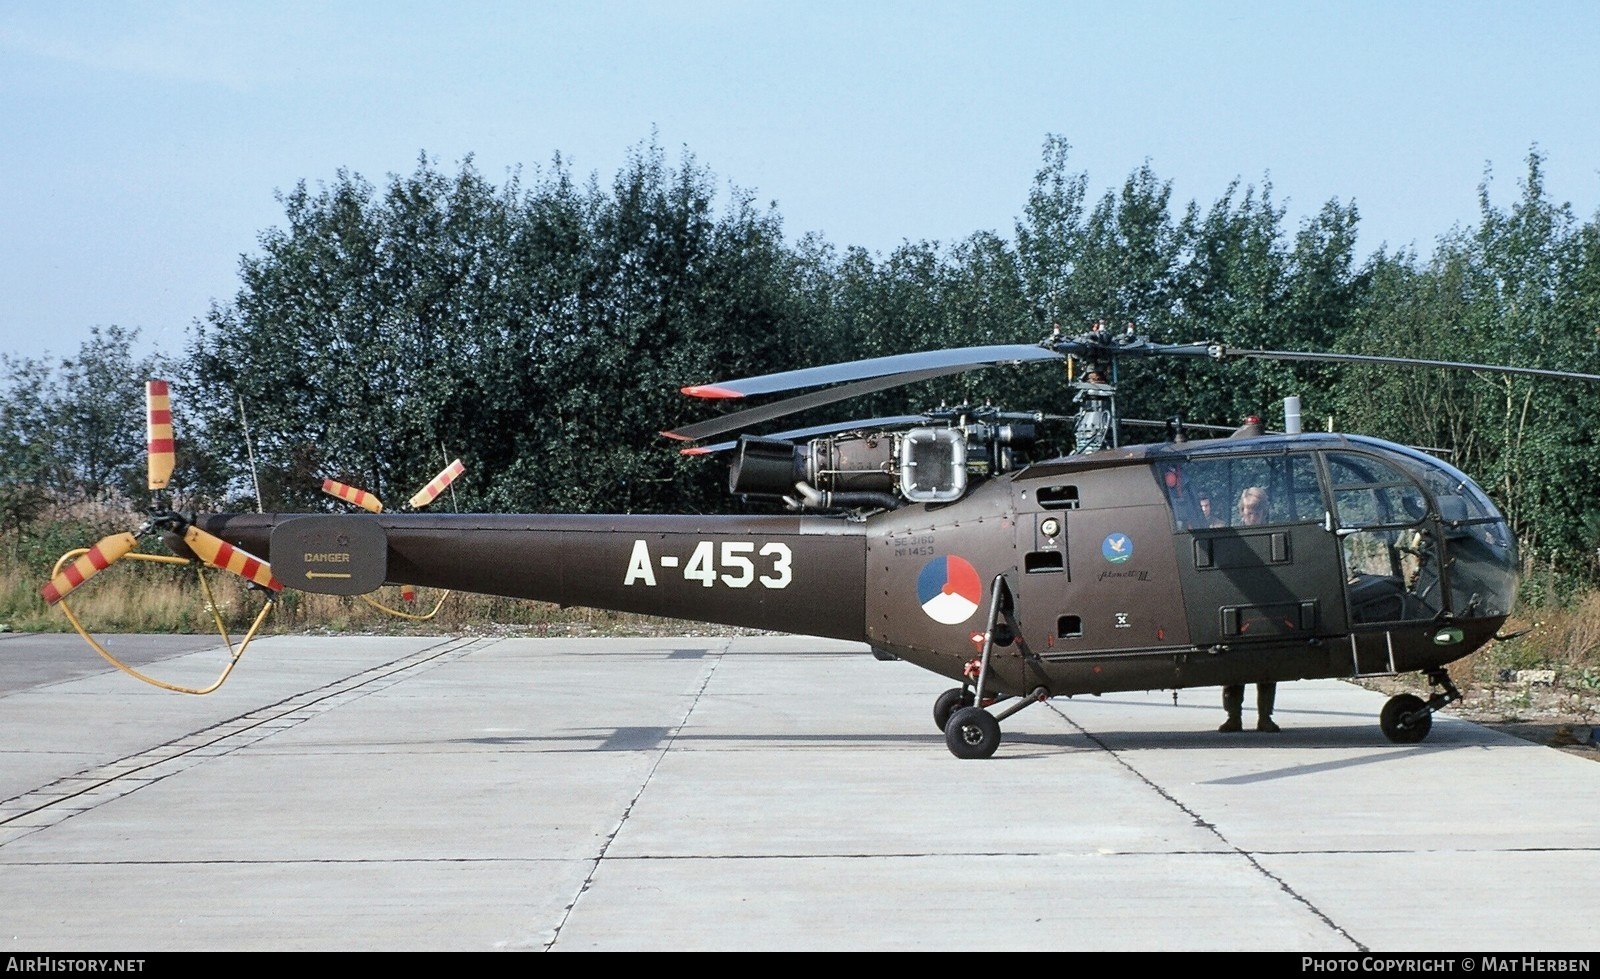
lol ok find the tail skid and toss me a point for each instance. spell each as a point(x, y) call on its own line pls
point(234, 655)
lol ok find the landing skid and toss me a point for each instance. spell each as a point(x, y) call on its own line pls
point(1407, 718)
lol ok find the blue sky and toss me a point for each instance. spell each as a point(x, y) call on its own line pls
point(143, 142)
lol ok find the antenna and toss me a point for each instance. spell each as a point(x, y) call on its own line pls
point(446, 456)
point(250, 451)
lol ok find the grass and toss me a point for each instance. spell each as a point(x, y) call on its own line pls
point(160, 599)
point(1562, 638)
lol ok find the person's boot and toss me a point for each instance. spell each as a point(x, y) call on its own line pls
point(1266, 696)
point(1233, 703)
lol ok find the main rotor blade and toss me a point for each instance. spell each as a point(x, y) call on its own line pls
point(949, 361)
point(816, 399)
point(352, 494)
point(220, 554)
point(101, 556)
point(1227, 353)
point(158, 428)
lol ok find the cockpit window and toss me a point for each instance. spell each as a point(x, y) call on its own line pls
point(1369, 492)
point(1401, 563)
point(1482, 554)
point(1462, 505)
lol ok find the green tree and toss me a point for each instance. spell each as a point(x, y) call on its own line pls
point(1524, 291)
point(539, 332)
point(1050, 239)
point(29, 474)
point(73, 430)
point(1518, 289)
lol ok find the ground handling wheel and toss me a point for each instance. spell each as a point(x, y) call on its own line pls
point(948, 703)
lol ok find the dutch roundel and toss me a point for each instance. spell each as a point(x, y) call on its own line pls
point(949, 589)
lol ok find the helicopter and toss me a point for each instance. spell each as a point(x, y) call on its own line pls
point(937, 539)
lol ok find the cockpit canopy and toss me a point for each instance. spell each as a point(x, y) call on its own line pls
point(1420, 540)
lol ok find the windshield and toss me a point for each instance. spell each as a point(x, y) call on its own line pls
point(1480, 573)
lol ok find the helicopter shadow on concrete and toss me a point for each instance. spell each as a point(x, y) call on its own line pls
point(1022, 746)
point(1447, 738)
point(1208, 706)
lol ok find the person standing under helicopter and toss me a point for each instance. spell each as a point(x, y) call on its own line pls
point(1253, 508)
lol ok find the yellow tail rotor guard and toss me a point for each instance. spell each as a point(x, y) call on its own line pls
point(211, 605)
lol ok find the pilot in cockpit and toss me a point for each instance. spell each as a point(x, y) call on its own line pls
point(1253, 506)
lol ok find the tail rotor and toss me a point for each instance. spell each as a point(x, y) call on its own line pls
point(202, 548)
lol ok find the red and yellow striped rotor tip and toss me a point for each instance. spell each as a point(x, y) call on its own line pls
point(350, 494)
point(100, 557)
point(408, 593)
point(431, 491)
point(220, 554)
point(159, 443)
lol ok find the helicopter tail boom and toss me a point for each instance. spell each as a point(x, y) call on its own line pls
point(791, 574)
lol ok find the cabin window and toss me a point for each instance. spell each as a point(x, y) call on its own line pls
point(1242, 491)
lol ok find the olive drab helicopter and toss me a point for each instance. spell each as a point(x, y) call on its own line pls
point(937, 539)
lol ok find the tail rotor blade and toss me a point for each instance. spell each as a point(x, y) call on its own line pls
point(431, 492)
point(158, 410)
point(220, 554)
point(351, 494)
point(101, 556)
